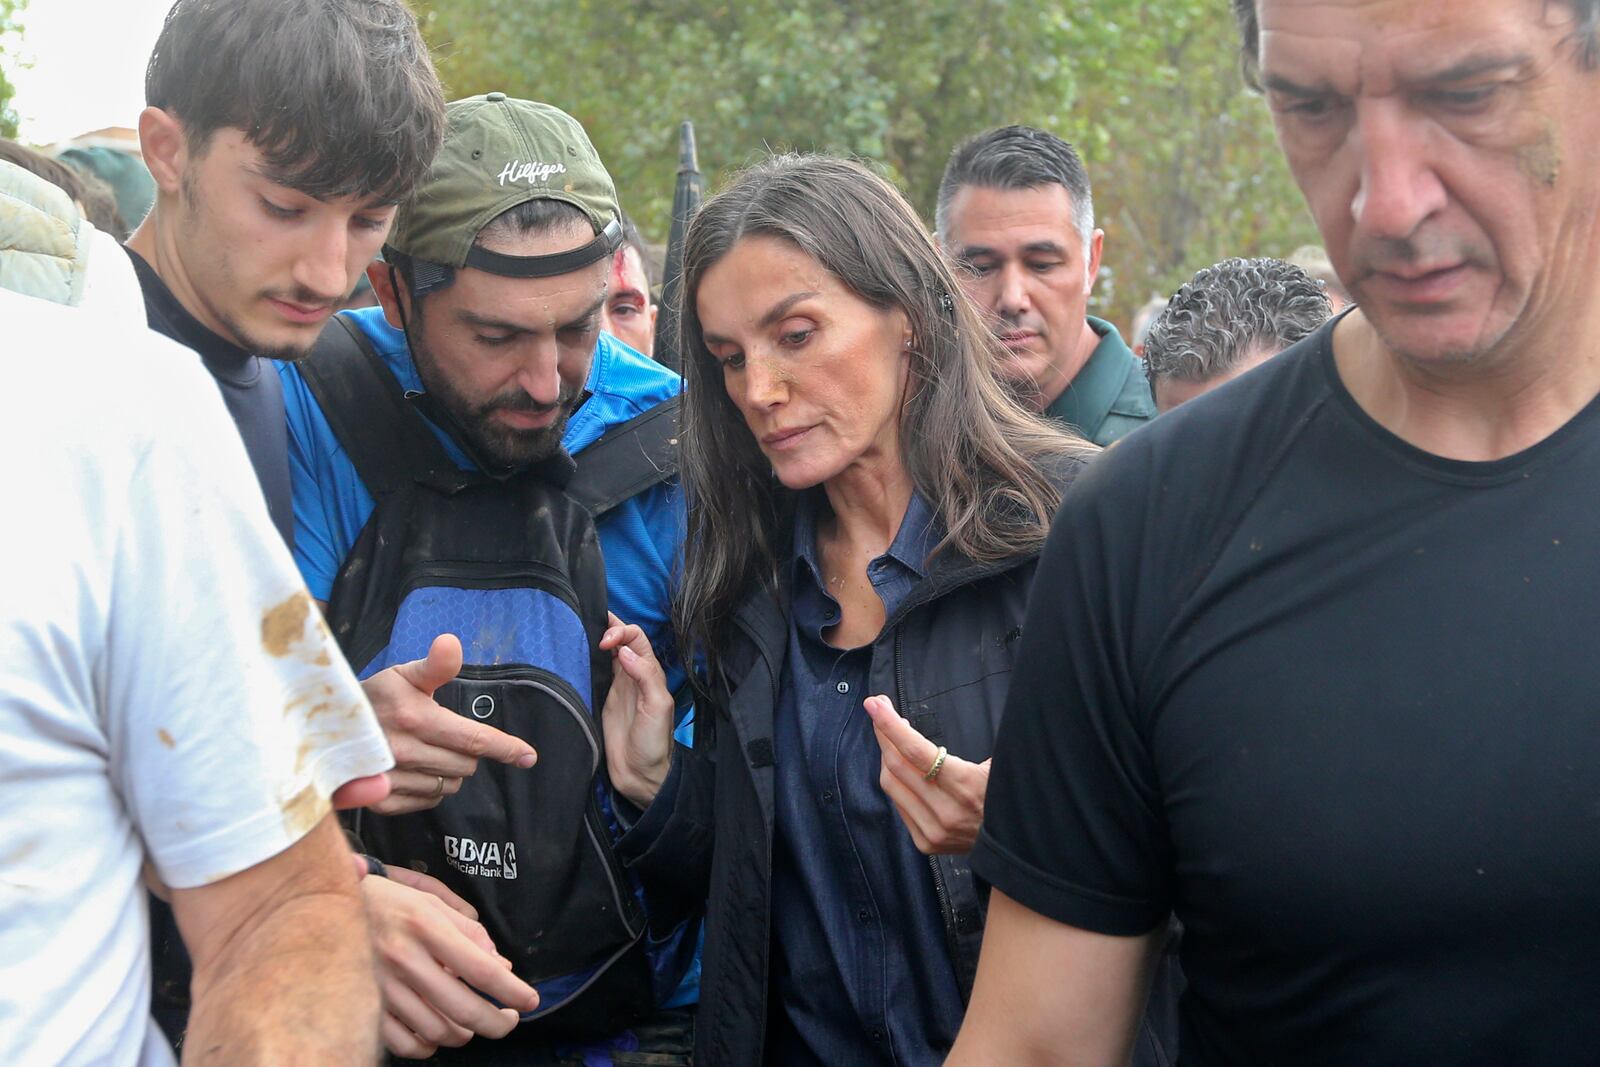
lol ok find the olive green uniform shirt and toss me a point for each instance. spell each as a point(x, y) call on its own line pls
point(1109, 397)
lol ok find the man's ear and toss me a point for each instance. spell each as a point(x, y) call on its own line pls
point(1097, 242)
point(165, 149)
point(379, 274)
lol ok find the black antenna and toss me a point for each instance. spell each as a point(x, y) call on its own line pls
point(686, 197)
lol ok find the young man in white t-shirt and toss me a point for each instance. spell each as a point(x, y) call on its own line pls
point(170, 699)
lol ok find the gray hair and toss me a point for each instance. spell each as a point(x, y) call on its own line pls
point(1145, 317)
point(1229, 311)
point(1585, 36)
point(1016, 157)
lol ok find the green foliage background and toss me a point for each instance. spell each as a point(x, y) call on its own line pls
point(1184, 166)
point(9, 28)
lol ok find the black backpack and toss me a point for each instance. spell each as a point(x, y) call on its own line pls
point(513, 567)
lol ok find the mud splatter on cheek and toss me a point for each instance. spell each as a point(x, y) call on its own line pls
point(1541, 160)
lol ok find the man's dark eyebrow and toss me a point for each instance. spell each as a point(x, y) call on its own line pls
point(1277, 83)
point(1471, 67)
point(489, 322)
point(269, 173)
point(776, 312)
point(968, 253)
point(587, 317)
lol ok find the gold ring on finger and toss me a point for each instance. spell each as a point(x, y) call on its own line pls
point(938, 765)
point(438, 790)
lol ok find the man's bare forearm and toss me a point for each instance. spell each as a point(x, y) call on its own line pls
point(299, 988)
point(283, 962)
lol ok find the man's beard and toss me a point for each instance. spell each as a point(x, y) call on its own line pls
point(287, 353)
point(486, 435)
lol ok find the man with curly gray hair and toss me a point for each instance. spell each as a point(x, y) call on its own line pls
point(1226, 319)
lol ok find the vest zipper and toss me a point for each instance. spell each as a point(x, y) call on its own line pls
point(940, 891)
point(766, 919)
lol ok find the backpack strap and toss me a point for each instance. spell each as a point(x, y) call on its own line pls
point(363, 402)
point(632, 457)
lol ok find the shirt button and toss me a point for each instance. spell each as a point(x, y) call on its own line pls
point(827, 796)
point(877, 1035)
point(864, 915)
point(843, 687)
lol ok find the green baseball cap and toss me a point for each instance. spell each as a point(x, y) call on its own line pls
point(499, 152)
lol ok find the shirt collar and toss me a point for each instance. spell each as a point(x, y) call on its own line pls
point(223, 358)
point(918, 534)
point(1089, 397)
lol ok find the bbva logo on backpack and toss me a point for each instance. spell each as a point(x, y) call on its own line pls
point(486, 859)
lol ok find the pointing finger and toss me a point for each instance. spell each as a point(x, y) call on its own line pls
point(478, 740)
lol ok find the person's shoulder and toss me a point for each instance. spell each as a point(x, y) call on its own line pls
point(388, 342)
point(1063, 468)
point(1135, 403)
point(1215, 445)
point(99, 360)
point(44, 240)
point(628, 380)
point(372, 322)
point(1262, 405)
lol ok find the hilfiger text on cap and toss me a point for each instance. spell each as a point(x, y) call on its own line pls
point(518, 171)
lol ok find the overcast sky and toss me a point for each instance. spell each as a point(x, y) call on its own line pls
point(88, 61)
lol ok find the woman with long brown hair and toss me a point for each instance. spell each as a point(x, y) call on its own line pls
point(865, 507)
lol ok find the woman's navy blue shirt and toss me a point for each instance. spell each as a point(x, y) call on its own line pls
point(860, 973)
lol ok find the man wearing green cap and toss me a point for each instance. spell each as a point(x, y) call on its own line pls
point(490, 301)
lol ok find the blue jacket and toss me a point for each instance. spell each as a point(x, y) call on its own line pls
point(641, 538)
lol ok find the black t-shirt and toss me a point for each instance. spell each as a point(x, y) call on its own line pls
point(250, 387)
point(1336, 702)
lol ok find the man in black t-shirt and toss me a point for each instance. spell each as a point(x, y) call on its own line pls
point(1306, 660)
point(280, 134)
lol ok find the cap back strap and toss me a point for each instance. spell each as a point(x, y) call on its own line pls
point(547, 266)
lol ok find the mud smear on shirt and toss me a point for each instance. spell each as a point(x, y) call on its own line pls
point(303, 811)
point(283, 626)
point(166, 738)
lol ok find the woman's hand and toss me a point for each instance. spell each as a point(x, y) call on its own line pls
point(943, 815)
point(638, 717)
